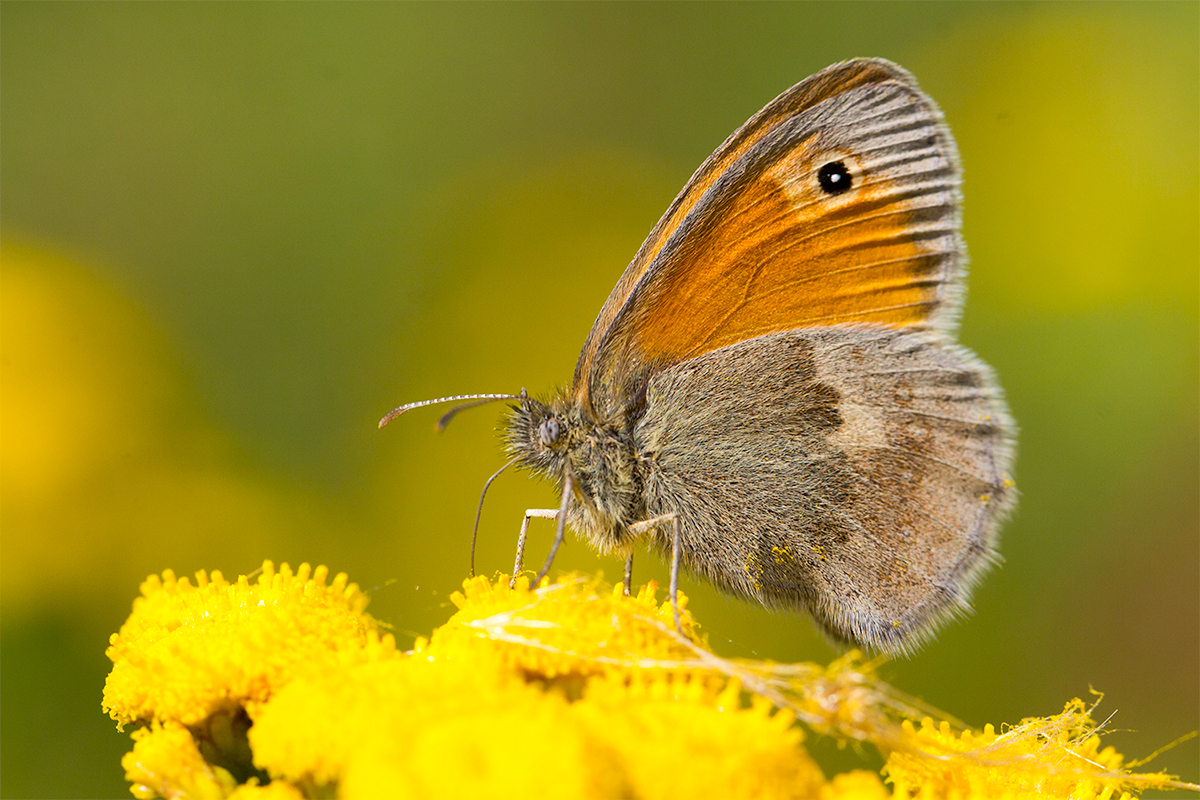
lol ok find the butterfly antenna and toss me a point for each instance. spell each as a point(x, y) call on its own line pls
point(449, 415)
point(480, 398)
point(479, 511)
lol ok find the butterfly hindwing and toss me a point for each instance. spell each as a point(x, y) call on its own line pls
point(859, 472)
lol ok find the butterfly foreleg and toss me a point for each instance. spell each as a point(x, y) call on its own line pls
point(561, 514)
point(530, 513)
point(676, 547)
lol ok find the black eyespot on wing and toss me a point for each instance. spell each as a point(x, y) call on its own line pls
point(834, 178)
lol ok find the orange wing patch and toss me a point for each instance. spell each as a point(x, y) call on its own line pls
point(774, 265)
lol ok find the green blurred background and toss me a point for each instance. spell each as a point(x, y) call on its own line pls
point(236, 234)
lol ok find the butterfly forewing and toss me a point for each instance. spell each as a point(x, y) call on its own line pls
point(758, 243)
point(804, 95)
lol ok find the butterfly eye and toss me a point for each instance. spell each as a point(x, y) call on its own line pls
point(834, 178)
point(549, 431)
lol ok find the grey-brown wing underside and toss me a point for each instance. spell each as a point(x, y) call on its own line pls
point(859, 473)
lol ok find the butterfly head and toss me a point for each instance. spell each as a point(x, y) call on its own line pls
point(539, 434)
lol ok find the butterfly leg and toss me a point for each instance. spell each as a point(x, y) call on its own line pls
point(629, 574)
point(676, 550)
point(568, 486)
point(542, 513)
point(479, 512)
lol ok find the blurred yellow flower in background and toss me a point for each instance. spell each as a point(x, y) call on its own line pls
point(107, 461)
point(285, 687)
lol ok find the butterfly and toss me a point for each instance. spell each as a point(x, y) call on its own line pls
point(772, 395)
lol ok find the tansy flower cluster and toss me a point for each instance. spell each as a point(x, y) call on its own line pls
point(285, 688)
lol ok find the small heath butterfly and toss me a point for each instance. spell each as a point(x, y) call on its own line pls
point(772, 395)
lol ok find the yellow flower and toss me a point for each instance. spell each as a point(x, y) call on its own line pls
point(188, 652)
point(1058, 756)
point(284, 689)
point(166, 762)
point(534, 687)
